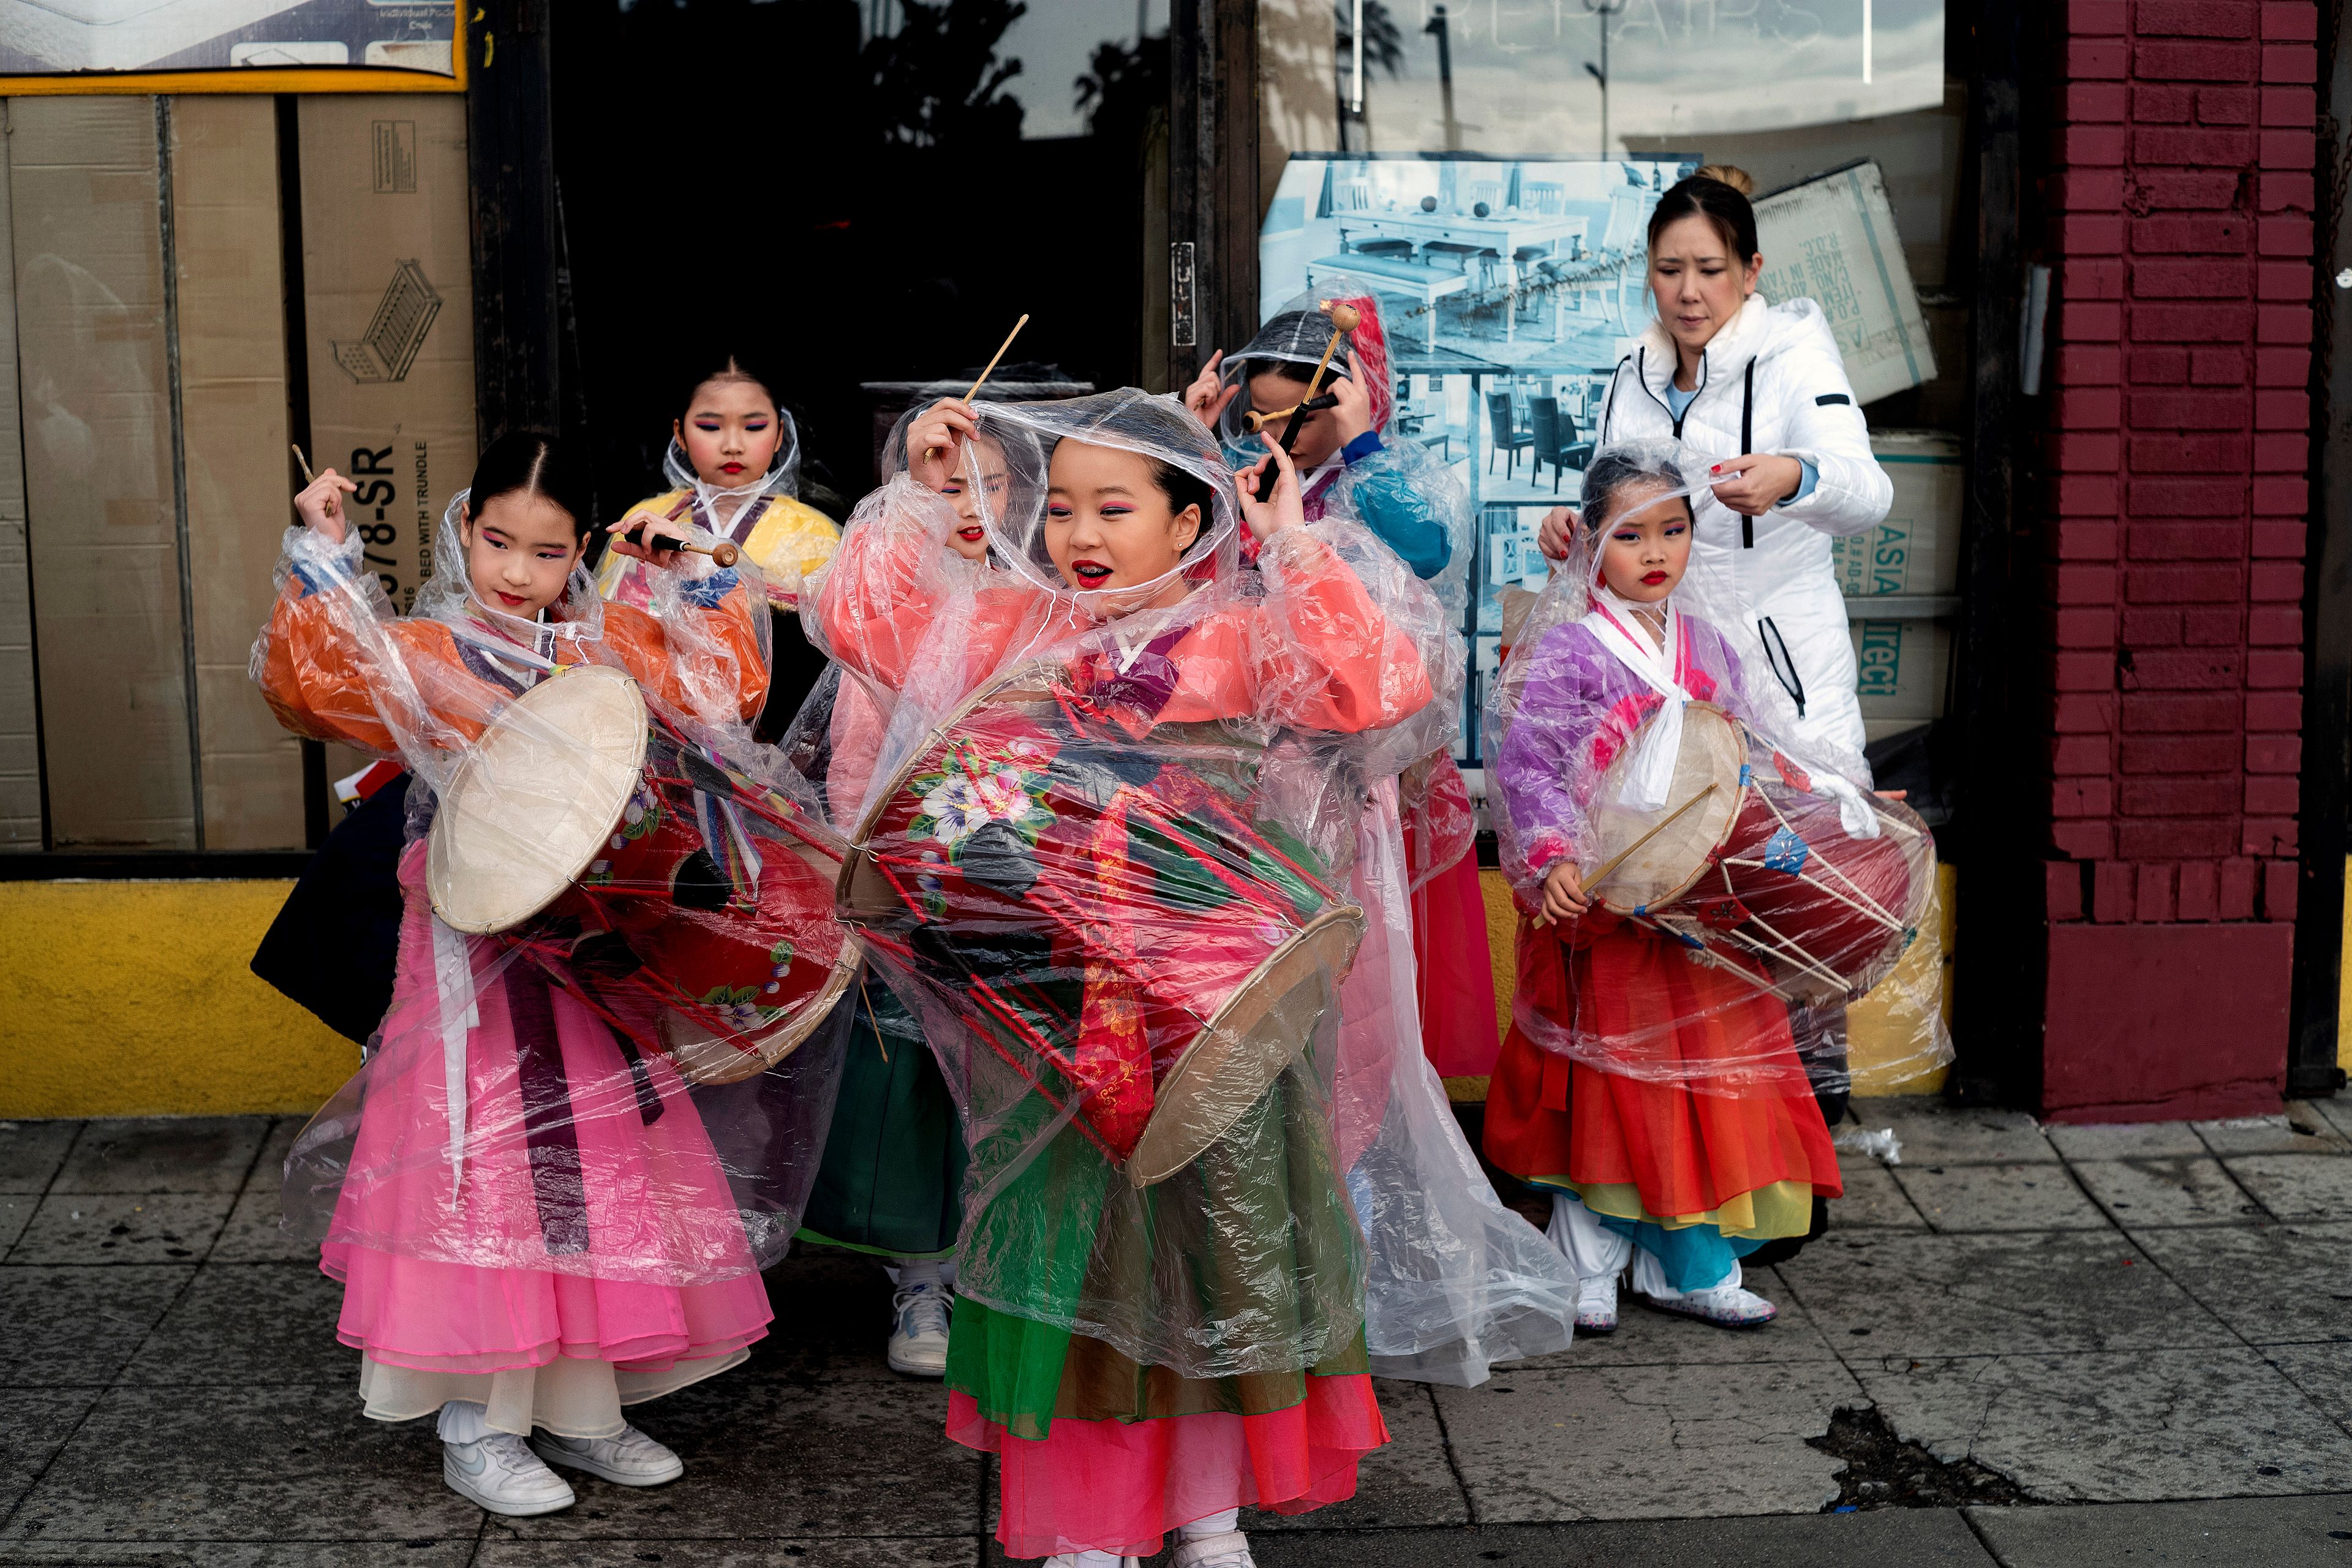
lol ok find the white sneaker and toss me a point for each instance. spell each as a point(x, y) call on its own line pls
point(500, 1473)
point(630, 1460)
point(1725, 1306)
point(918, 1331)
point(1078, 1559)
point(1596, 1305)
point(1226, 1549)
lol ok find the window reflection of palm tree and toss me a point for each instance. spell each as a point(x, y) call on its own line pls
point(1365, 38)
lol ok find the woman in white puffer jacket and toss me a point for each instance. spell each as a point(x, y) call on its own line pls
point(1759, 387)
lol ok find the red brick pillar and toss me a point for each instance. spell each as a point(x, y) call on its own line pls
point(2172, 537)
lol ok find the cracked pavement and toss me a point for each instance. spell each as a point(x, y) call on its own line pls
point(2147, 1330)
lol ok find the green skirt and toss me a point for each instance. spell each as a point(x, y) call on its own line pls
point(892, 1178)
point(1247, 1257)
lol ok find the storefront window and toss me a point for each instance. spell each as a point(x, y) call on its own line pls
point(1489, 168)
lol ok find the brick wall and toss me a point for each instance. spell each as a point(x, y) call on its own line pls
point(2179, 221)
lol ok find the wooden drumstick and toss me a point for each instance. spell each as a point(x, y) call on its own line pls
point(1344, 320)
point(997, 355)
point(304, 464)
point(1609, 868)
point(990, 369)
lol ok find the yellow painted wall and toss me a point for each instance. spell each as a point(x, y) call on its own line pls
point(134, 998)
point(1883, 1032)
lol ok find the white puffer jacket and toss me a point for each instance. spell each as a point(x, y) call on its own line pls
point(1771, 383)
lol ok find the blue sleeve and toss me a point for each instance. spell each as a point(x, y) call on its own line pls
point(1804, 486)
point(1384, 498)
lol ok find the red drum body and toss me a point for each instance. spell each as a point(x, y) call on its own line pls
point(1833, 909)
point(695, 911)
point(1746, 861)
point(1111, 920)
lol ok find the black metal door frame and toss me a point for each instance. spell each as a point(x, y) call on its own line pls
point(2326, 792)
point(1213, 184)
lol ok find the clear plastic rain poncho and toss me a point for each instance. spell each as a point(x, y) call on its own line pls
point(836, 739)
point(1402, 493)
point(1740, 885)
point(785, 538)
point(614, 927)
point(1458, 1280)
point(1108, 838)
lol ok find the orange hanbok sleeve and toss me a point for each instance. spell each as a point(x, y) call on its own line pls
point(1317, 654)
point(313, 675)
point(647, 651)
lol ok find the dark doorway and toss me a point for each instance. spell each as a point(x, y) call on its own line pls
point(852, 191)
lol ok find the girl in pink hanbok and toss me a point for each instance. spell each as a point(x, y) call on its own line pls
point(537, 1223)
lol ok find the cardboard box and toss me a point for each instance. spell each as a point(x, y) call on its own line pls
point(388, 285)
point(1901, 672)
point(20, 737)
point(100, 486)
point(239, 473)
point(1834, 240)
point(1917, 550)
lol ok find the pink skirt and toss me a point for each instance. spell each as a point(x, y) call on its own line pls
point(1457, 973)
point(579, 1210)
point(1121, 1486)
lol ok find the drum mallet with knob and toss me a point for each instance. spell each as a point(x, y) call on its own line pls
point(1344, 319)
point(1257, 421)
point(722, 553)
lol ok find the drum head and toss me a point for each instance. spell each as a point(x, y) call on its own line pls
point(1674, 856)
point(1253, 1038)
point(533, 801)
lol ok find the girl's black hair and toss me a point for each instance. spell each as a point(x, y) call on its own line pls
point(528, 462)
point(1722, 204)
point(1612, 474)
point(1307, 328)
point(1183, 489)
point(733, 370)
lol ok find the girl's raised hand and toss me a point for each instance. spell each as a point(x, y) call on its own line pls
point(319, 505)
point(935, 441)
point(1282, 509)
point(1559, 526)
point(1564, 898)
point(1206, 398)
point(1353, 409)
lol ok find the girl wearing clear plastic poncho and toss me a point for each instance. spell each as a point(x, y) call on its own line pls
point(1353, 465)
point(733, 465)
point(1140, 1358)
point(1650, 1078)
point(1457, 1282)
point(535, 1221)
point(891, 1183)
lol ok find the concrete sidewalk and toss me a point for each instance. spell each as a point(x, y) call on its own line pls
point(2071, 1346)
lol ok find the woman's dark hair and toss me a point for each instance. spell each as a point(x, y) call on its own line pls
point(732, 371)
point(526, 462)
point(1718, 194)
point(1612, 474)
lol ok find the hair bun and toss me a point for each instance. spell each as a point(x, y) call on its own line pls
point(1738, 179)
